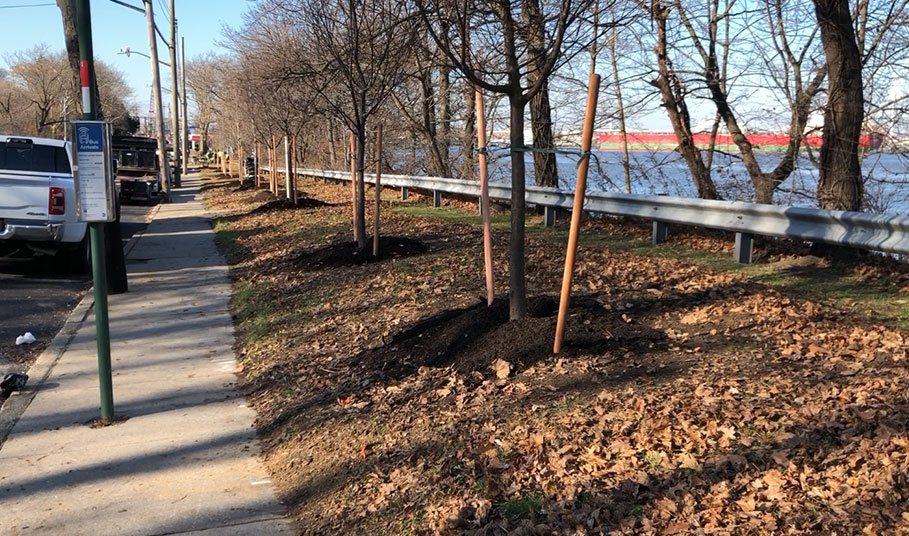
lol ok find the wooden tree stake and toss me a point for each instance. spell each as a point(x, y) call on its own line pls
point(375, 216)
point(484, 197)
point(578, 207)
point(293, 166)
point(274, 166)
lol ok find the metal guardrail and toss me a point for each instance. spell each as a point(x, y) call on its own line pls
point(880, 232)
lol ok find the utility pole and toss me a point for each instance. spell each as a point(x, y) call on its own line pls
point(156, 86)
point(174, 95)
point(96, 230)
point(185, 135)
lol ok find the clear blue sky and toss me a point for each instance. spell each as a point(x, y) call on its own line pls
point(115, 26)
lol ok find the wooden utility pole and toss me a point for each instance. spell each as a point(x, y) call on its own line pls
point(185, 131)
point(156, 86)
point(375, 215)
point(593, 89)
point(174, 96)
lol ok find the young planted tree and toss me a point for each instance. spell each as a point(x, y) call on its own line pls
point(350, 54)
point(487, 42)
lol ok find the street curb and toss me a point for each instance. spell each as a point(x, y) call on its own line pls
point(133, 240)
point(40, 370)
point(13, 408)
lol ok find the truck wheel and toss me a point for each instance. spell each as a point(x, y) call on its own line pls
point(78, 260)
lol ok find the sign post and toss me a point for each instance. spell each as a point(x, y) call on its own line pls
point(95, 196)
point(95, 204)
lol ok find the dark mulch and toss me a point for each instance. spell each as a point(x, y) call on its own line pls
point(471, 339)
point(346, 253)
point(285, 204)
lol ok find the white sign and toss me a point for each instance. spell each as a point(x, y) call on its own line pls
point(94, 174)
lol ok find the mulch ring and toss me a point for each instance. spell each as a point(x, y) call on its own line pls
point(347, 254)
point(286, 204)
point(476, 340)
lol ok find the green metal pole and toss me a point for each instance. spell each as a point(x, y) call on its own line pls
point(102, 330)
point(99, 273)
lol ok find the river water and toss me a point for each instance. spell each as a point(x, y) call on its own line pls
point(665, 172)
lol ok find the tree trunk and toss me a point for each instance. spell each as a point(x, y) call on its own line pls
point(840, 185)
point(445, 116)
point(620, 106)
point(517, 291)
point(545, 170)
point(468, 141)
point(673, 98)
point(71, 41)
point(203, 138)
point(332, 155)
point(361, 182)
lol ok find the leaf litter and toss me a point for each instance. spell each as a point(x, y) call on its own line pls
point(687, 401)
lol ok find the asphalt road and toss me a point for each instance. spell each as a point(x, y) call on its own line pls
point(35, 296)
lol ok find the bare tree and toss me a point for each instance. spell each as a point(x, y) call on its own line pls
point(353, 49)
point(673, 94)
point(487, 42)
point(204, 79)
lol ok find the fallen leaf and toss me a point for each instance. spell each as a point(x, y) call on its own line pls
point(502, 368)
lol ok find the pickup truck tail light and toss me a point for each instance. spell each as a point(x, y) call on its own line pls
point(56, 204)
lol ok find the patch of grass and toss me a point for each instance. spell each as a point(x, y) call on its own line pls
point(255, 312)
point(652, 459)
point(453, 215)
point(227, 240)
point(880, 298)
point(523, 508)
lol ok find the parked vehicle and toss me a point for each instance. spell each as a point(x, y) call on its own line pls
point(138, 168)
point(38, 201)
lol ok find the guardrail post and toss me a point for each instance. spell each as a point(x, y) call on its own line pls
point(660, 232)
point(549, 216)
point(403, 193)
point(436, 198)
point(744, 247)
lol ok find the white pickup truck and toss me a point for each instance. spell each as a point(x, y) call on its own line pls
point(38, 201)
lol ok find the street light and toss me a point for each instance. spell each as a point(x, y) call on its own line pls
point(127, 51)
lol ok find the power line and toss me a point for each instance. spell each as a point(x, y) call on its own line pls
point(140, 10)
point(124, 4)
point(27, 5)
point(164, 10)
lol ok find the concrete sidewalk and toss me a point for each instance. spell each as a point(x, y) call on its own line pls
point(186, 460)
